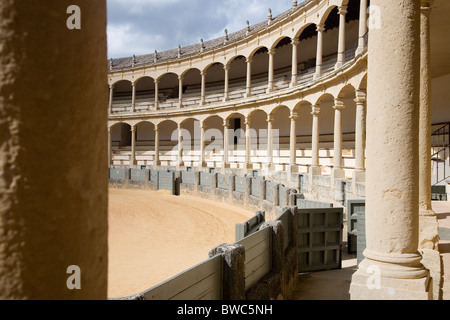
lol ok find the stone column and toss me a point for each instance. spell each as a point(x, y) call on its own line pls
point(109, 147)
point(360, 138)
point(248, 91)
point(269, 142)
point(156, 94)
point(392, 268)
point(226, 142)
point(156, 162)
point(338, 171)
point(320, 30)
point(133, 146)
point(362, 26)
point(226, 90)
point(294, 44)
point(248, 164)
point(270, 82)
point(180, 91)
point(315, 165)
point(53, 212)
point(111, 97)
point(133, 97)
point(425, 113)
point(180, 147)
point(203, 89)
point(341, 44)
point(293, 142)
point(202, 145)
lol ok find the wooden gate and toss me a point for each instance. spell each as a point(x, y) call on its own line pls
point(319, 238)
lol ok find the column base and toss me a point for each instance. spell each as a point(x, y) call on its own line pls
point(358, 176)
point(315, 171)
point(292, 168)
point(317, 75)
point(247, 166)
point(365, 287)
point(338, 65)
point(337, 173)
point(428, 230)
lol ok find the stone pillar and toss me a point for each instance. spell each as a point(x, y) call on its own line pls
point(320, 30)
point(156, 162)
point(392, 268)
point(248, 164)
point(293, 142)
point(133, 146)
point(226, 91)
point(180, 91)
point(111, 97)
point(156, 94)
point(269, 142)
point(226, 142)
point(425, 113)
point(359, 173)
point(133, 97)
point(270, 82)
point(109, 147)
point(362, 26)
point(294, 44)
point(337, 171)
point(201, 163)
point(341, 44)
point(53, 214)
point(180, 147)
point(315, 165)
point(203, 89)
point(248, 91)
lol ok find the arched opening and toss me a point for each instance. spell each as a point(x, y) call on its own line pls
point(122, 96)
point(303, 136)
point(120, 143)
point(237, 77)
point(326, 132)
point(259, 138)
point(214, 83)
point(145, 93)
point(168, 142)
point(260, 71)
point(281, 135)
point(283, 63)
point(192, 87)
point(214, 141)
point(190, 141)
point(236, 139)
point(168, 90)
point(145, 143)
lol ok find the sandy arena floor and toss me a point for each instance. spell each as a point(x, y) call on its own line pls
point(154, 236)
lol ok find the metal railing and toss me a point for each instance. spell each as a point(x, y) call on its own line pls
point(440, 144)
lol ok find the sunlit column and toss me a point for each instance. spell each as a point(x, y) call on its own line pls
point(156, 158)
point(319, 55)
point(133, 146)
point(226, 90)
point(248, 91)
point(341, 45)
point(156, 94)
point(202, 144)
point(315, 165)
point(111, 97)
point(203, 89)
point(133, 97)
point(226, 126)
point(294, 43)
point(271, 58)
point(293, 139)
point(338, 172)
point(247, 143)
point(180, 91)
point(362, 26)
point(269, 141)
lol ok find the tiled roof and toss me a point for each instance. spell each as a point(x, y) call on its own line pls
point(148, 59)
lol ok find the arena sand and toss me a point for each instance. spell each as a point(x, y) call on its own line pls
point(154, 236)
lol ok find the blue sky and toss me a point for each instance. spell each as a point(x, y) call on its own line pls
point(143, 26)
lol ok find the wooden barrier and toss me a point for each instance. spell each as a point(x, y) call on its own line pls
point(202, 282)
point(251, 226)
point(257, 256)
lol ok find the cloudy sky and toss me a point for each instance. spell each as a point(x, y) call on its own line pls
point(143, 26)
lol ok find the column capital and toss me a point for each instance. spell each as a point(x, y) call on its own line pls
point(156, 127)
point(249, 59)
point(361, 97)
point(226, 67)
point(295, 42)
point(156, 81)
point(133, 128)
point(180, 77)
point(338, 105)
point(203, 73)
point(226, 123)
point(343, 10)
point(315, 110)
point(293, 115)
point(269, 118)
point(425, 5)
point(201, 125)
point(247, 120)
point(271, 52)
point(320, 28)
